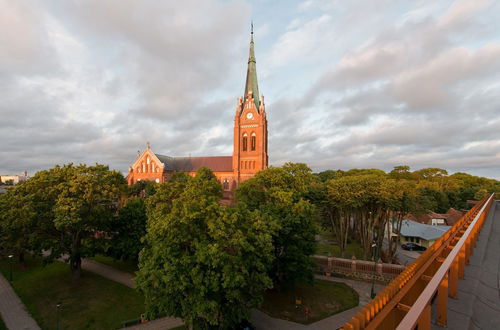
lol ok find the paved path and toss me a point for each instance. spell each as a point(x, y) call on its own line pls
point(406, 257)
point(127, 280)
point(111, 273)
point(264, 321)
point(478, 303)
point(12, 310)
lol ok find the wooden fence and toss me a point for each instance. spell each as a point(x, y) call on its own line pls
point(358, 268)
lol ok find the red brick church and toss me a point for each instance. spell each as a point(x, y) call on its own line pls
point(250, 145)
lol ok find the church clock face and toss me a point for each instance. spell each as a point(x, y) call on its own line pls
point(249, 115)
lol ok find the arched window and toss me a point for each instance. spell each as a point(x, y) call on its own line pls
point(226, 184)
point(245, 142)
point(253, 142)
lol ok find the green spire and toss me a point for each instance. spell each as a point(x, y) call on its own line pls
point(251, 84)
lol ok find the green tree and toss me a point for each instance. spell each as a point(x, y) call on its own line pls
point(17, 220)
point(401, 172)
point(329, 175)
point(65, 209)
point(203, 262)
point(86, 204)
point(160, 204)
point(365, 171)
point(480, 194)
point(280, 195)
point(127, 230)
point(143, 188)
point(364, 205)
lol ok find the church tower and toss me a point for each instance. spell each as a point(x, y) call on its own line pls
point(250, 126)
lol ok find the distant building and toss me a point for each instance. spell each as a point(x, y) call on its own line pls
point(437, 219)
point(421, 234)
point(249, 152)
point(14, 179)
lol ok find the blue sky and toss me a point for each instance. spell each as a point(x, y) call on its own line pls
point(346, 83)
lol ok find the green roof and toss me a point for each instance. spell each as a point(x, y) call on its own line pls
point(251, 83)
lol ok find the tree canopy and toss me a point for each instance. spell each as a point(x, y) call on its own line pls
point(280, 195)
point(62, 210)
point(203, 262)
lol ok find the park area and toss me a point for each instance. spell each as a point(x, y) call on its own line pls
point(94, 302)
point(90, 302)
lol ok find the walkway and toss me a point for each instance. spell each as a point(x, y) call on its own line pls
point(127, 280)
point(12, 310)
point(258, 318)
point(478, 303)
point(264, 321)
point(111, 273)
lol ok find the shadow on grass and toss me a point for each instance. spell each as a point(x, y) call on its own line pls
point(317, 301)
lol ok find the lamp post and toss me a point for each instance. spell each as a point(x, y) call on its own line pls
point(373, 294)
point(57, 316)
point(10, 274)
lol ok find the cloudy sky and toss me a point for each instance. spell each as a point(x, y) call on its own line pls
point(347, 83)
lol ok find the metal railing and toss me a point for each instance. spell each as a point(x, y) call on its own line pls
point(406, 301)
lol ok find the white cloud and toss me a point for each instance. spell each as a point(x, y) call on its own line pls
point(303, 42)
point(347, 84)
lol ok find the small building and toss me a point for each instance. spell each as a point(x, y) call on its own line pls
point(13, 179)
point(437, 219)
point(421, 234)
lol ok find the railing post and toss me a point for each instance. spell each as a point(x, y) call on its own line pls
point(424, 322)
point(353, 264)
point(461, 263)
point(442, 302)
point(379, 267)
point(467, 250)
point(454, 279)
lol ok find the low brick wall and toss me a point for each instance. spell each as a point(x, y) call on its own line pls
point(360, 269)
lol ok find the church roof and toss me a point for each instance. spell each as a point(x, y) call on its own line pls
point(191, 164)
point(251, 83)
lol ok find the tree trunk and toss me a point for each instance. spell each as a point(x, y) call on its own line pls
point(75, 259)
point(76, 264)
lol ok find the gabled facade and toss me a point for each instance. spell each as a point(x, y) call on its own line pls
point(249, 151)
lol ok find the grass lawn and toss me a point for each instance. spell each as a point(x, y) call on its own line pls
point(352, 249)
point(91, 302)
point(323, 299)
point(125, 266)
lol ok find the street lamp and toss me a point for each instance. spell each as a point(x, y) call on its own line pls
point(57, 316)
point(10, 258)
point(373, 294)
